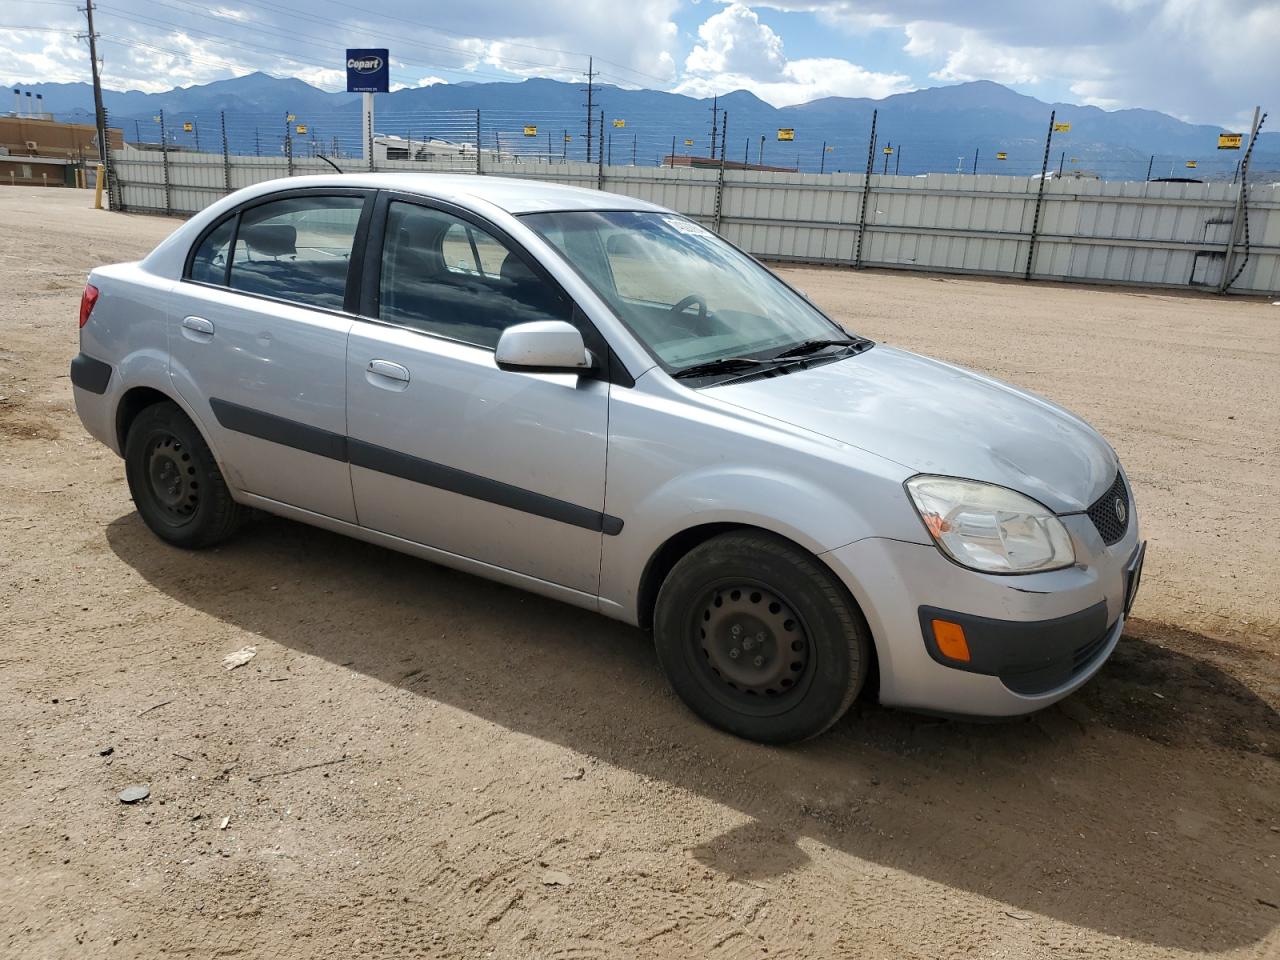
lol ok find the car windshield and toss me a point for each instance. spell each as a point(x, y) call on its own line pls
point(689, 296)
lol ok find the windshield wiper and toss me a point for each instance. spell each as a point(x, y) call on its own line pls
point(805, 347)
point(723, 365)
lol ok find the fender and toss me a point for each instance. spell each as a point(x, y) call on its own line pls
point(679, 459)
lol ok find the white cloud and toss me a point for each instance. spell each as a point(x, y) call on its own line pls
point(323, 77)
point(968, 55)
point(735, 41)
point(1203, 60)
point(737, 51)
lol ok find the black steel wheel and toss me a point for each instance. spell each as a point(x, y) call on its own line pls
point(171, 477)
point(760, 639)
point(175, 482)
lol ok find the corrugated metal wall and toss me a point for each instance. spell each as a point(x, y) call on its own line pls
point(1149, 234)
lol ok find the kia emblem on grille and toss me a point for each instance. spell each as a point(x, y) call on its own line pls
point(1122, 512)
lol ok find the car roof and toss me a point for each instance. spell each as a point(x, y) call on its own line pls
point(508, 193)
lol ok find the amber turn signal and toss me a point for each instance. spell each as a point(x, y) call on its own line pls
point(950, 639)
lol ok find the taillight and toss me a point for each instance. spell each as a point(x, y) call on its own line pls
point(87, 300)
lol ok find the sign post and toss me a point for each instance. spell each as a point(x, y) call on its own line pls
point(367, 73)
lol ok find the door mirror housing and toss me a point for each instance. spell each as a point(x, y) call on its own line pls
point(543, 346)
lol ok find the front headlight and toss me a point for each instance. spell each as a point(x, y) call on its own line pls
point(990, 528)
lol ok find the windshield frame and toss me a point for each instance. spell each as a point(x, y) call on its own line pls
point(765, 355)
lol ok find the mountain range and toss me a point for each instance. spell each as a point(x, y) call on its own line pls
point(937, 129)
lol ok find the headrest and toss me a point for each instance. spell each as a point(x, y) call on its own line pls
point(272, 239)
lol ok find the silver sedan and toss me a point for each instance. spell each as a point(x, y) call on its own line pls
point(599, 400)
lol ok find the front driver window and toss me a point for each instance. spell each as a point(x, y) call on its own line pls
point(445, 276)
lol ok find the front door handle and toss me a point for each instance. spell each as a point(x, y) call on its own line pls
point(388, 375)
point(197, 328)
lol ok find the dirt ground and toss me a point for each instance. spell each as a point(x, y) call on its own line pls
point(421, 763)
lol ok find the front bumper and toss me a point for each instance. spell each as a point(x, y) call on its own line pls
point(1037, 637)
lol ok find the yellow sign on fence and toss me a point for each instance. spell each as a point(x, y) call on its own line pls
point(1230, 141)
point(1062, 128)
point(187, 127)
point(301, 128)
point(1002, 155)
point(530, 130)
point(688, 143)
point(888, 151)
point(568, 138)
point(786, 133)
point(619, 123)
point(1191, 164)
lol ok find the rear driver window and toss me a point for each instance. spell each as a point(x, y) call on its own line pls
point(296, 249)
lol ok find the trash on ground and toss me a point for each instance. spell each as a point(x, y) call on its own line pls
point(134, 793)
point(239, 658)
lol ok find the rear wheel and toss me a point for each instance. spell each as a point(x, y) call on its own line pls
point(760, 639)
point(175, 481)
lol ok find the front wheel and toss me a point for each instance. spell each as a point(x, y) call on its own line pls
point(760, 639)
point(175, 481)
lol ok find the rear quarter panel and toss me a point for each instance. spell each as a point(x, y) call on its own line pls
point(129, 330)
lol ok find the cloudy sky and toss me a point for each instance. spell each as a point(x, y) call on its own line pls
point(1201, 60)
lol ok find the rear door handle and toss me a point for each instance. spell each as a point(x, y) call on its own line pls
point(388, 375)
point(196, 328)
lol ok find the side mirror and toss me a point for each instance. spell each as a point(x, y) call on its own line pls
point(543, 346)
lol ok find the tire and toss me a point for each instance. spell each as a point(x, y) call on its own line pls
point(802, 645)
point(175, 482)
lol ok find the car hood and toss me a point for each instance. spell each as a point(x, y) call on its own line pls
point(933, 417)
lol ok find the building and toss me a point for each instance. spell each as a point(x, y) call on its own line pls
point(40, 151)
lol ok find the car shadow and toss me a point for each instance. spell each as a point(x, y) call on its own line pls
point(1138, 808)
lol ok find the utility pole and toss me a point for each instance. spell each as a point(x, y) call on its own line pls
point(715, 104)
point(589, 90)
point(897, 160)
point(760, 161)
point(633, 149)
point(888, 150)
point(673, 153)
point(975, 161)
point(1150, 164)
point(99, 114)
point(822, 160)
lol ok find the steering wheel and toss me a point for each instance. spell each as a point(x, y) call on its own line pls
point(689, 301)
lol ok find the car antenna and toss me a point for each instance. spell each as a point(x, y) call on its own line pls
point(330, 162)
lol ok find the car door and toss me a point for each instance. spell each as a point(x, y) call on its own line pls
point(446, 449)
point(258, 346)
